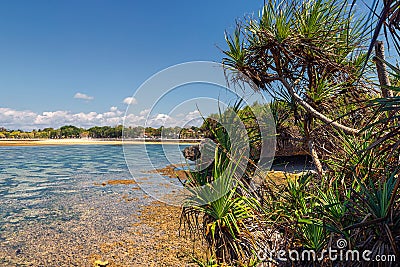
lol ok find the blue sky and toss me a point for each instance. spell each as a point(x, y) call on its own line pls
point(52, 50)
point(75, 62)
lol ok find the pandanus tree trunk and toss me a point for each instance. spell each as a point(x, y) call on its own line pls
point(311, 147)
point(383, 76)
point(316, 161)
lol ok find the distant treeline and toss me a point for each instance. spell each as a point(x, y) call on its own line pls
point(70, 131)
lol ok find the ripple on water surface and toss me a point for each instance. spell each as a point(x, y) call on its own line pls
point(51, 202)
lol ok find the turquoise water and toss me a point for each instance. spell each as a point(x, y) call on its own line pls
point(44, 189)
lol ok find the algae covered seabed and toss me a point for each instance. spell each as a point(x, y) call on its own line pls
point(73, 205)
point(115, 232)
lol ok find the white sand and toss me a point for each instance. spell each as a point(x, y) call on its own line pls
point(77, 141)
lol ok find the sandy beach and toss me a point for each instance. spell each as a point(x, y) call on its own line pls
point(77, 141)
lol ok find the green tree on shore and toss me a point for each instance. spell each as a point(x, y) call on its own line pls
point(70, 131)
point(309, 55)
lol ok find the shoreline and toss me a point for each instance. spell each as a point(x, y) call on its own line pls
point(77, 141)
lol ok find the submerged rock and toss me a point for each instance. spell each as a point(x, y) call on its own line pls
point(192, 152)
point(100, 263)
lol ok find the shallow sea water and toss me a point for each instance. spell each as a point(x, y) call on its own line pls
point(54, 210)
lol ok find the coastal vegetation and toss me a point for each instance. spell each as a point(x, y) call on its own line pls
point(314, 59)
point(334, 97)
point(104, 132)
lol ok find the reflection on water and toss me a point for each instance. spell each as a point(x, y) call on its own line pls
point(50, 190)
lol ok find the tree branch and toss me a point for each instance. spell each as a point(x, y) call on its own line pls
point(315, 113)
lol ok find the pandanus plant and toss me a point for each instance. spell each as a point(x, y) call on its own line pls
point(219, 212)
point(310, 57)
point(312, 53)
point(219, 205)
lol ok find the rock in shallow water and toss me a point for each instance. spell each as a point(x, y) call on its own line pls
point(192, 152)
point(100, 263)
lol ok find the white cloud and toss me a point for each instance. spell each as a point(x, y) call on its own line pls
point(144, 112)
point(161, 118)
point(130, 100)
point(83, 96)
point(193, 118)
point(193, 115)
point(14, 119)
point(134, 120)
point(28, 120)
